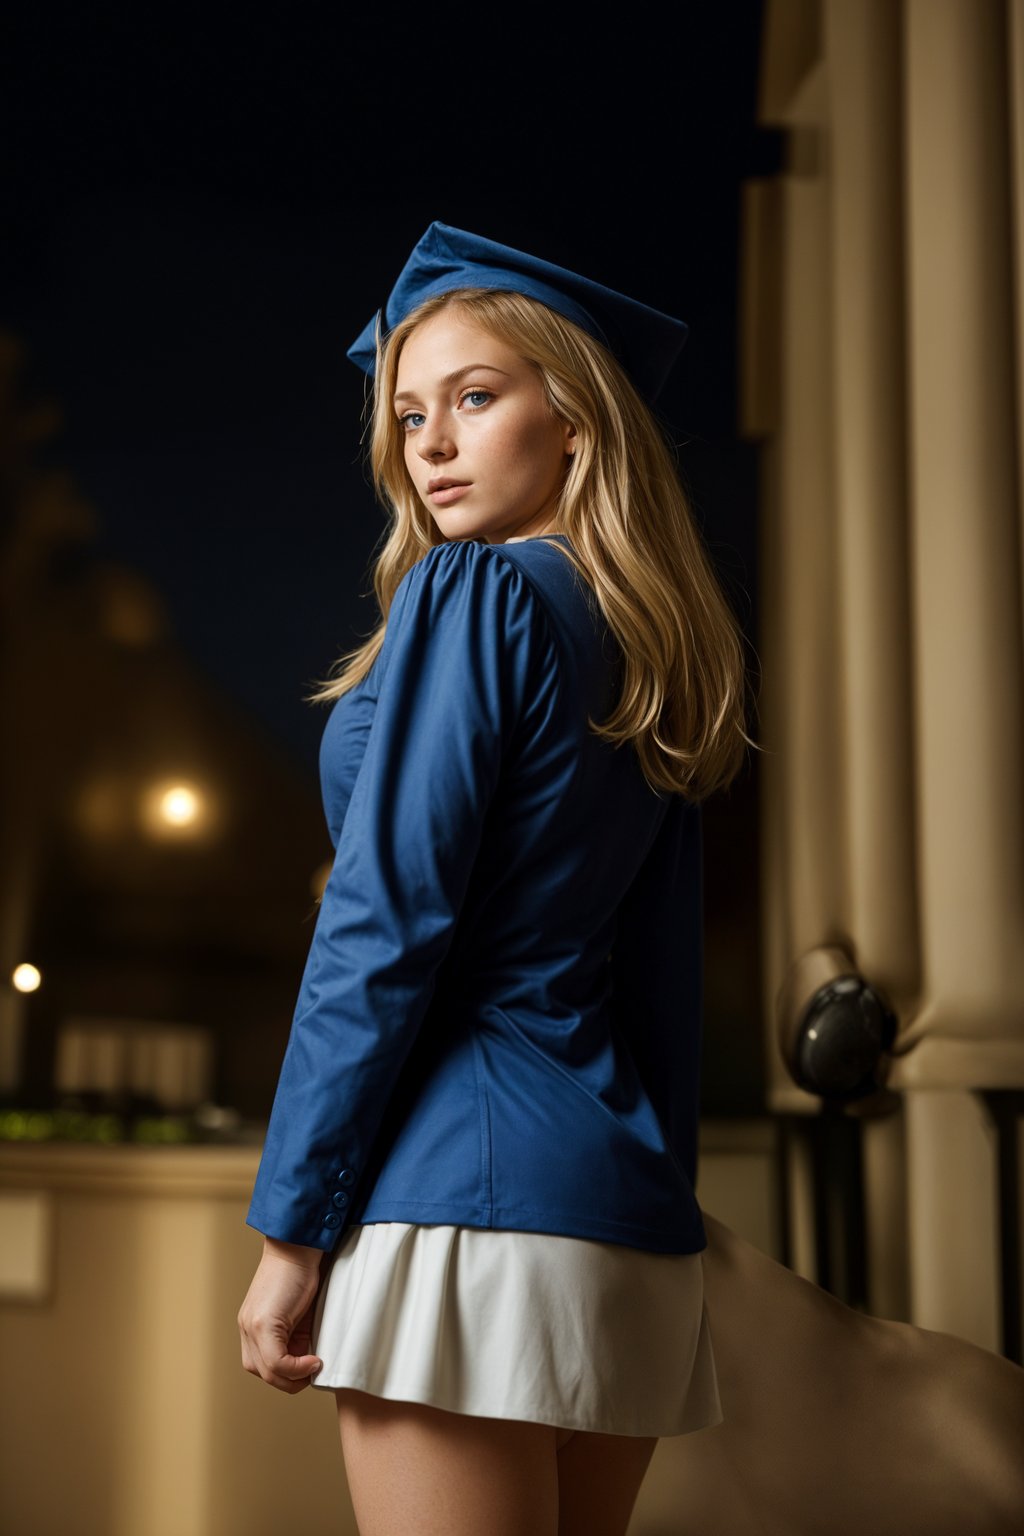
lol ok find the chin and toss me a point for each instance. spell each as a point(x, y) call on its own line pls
point(449, 528)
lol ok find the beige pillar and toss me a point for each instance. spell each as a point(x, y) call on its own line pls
point(964, 527)
point(873, 626)
point(953, 1216)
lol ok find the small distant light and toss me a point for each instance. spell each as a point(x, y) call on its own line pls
point(26, 978)
point(182, 810)
point(180, 806)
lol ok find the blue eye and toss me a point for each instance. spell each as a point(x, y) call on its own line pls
point(482, 394)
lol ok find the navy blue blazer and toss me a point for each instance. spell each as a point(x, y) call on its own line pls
point(499, 1021)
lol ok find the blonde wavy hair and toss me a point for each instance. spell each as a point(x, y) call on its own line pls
point(627, 517)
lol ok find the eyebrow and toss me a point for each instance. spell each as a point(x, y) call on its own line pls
point(452, 378)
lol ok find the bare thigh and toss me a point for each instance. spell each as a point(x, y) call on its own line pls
point(599, 1478)
point(416, 1470)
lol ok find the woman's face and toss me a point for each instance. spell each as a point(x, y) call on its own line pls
point(474, 417)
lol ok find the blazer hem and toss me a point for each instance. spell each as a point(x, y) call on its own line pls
point(691, 1239)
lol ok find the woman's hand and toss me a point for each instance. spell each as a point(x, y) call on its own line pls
point(276, 1317)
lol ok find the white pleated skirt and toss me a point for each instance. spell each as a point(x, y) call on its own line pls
point(519, 1325)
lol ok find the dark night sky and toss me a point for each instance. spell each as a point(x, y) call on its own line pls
point(203, 211)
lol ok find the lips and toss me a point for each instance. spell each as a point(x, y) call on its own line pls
point(448, 491)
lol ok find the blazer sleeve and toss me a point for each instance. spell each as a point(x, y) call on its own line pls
point(465, 639)
point(658, 976)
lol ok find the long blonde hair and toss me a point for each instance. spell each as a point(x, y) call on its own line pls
point(627, 518)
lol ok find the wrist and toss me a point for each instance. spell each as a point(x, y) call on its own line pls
point(293, 1253)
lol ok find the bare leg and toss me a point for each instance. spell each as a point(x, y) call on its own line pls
point(416, 1470)
point(599, 1478)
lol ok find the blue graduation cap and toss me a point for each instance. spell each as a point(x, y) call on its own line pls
point(645, 341)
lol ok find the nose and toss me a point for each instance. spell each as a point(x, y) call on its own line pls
point(434, 439)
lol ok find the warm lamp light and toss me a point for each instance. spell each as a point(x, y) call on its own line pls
point(26, 978)
point(177, 808)
point(180, 806)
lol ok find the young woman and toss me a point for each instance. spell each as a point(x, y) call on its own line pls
point(477, 1185)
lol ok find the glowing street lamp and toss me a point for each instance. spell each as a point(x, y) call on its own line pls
point(26, 978)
